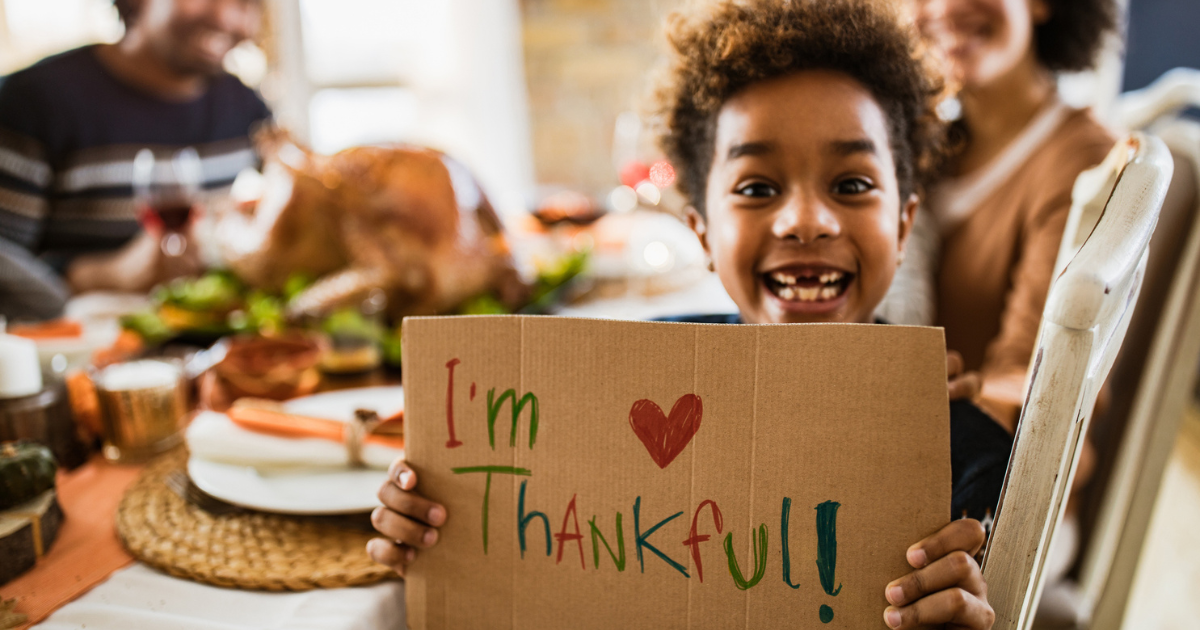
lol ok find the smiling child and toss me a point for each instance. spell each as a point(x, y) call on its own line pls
point(801, 131)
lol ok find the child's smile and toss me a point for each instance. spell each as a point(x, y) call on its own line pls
point(808, 288)
point(804, 220)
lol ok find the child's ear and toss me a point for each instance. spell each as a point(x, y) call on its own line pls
point(696, 222)
point(908, 214)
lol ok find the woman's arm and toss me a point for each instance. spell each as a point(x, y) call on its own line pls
point(1007, 357)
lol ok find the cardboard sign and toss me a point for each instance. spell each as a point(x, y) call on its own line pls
point(602, 474)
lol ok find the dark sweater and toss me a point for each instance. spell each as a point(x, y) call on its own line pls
point(979, 447)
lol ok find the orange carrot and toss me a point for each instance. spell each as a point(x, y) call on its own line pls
point(256, 416)
point(53, 329)
point(267, 416)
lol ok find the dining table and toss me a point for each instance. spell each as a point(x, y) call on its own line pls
point(87, 579)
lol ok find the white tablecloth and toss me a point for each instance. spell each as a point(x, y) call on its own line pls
point(140, 598)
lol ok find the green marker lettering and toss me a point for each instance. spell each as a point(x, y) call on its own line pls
point(619, 561)
point(758, 543)
point(487, 488)
point(517, 406)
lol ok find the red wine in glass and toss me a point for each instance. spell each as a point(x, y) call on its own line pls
point(167, 195)
point(170, 216)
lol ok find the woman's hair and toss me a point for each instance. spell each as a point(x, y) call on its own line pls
point(720, 49)
point(1071, 39)
point(124, 10)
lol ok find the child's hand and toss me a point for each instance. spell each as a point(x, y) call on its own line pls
point(408, 520)
point(962, 385)
point(947, 588)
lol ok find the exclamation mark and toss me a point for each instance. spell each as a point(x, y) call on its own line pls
point(827, 553)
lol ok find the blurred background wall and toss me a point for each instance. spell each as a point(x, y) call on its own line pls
point(529, 93)
point(586, 63)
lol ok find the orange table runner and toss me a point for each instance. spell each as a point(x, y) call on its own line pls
point(87, 549)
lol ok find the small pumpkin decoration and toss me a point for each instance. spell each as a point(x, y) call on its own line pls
point(26, 470)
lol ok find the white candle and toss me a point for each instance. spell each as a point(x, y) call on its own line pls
point(20, 372)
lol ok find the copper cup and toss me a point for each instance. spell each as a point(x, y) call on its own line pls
point(142, 408)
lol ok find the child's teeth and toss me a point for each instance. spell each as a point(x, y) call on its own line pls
point(809, 294)
point(787, 293)
point(831, 277)
point(783, 278)
point(828, 293)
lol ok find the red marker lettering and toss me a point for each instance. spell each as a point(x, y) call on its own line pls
point(453, 441)
point(563, 536)
point(694, 540)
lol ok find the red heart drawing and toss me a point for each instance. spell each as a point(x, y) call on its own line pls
point(665, 437)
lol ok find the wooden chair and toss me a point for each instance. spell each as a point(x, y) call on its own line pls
point(1162, 391)
point(1152, 378)
point(1087, 313)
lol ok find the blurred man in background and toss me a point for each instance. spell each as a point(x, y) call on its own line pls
point(71, 124)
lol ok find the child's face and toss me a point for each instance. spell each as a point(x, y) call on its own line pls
point(804, 217)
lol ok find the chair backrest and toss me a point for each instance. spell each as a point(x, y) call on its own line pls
point(1151, 384)
point(1087, 313)
point(1174, 91)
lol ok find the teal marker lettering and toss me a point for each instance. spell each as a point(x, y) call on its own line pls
point(640, 538)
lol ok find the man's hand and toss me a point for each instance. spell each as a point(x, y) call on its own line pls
point(135, 268)
point(408, 520)
point(947, 587)
point(962, 385)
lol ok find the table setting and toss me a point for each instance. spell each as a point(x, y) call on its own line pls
point(207, 455)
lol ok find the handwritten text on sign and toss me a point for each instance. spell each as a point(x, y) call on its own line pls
point(549, 444)
point(664, 436)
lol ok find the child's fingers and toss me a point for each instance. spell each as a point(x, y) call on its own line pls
point(412, 505)
point(965, 386)
point(403, 476)
point(954, 364)
point(403, 529)
point(962, 535)
point(953, 606)
point(390, 554)
point(956, 569)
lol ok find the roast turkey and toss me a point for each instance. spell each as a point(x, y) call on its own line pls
point(408, 220)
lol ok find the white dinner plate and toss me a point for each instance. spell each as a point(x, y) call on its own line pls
point(305, 490)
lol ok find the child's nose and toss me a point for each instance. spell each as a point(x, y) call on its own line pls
point(806, 220)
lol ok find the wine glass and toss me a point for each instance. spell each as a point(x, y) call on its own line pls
point(168, 197)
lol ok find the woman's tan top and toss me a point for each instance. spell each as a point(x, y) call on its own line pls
point(996, 261)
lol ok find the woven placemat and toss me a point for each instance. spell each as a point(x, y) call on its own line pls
point(246, 550)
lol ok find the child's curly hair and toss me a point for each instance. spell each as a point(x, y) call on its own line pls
point(722, 48)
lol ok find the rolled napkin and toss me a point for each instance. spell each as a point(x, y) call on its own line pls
point(215, 437)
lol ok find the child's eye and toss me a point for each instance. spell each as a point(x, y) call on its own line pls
point(757, 189)
point(852, 186)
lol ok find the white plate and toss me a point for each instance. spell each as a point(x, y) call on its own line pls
point(311, 490)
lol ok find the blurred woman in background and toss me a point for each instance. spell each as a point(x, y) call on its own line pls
point(1002, 207)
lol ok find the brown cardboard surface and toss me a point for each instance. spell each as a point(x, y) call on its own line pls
point(808, 414)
